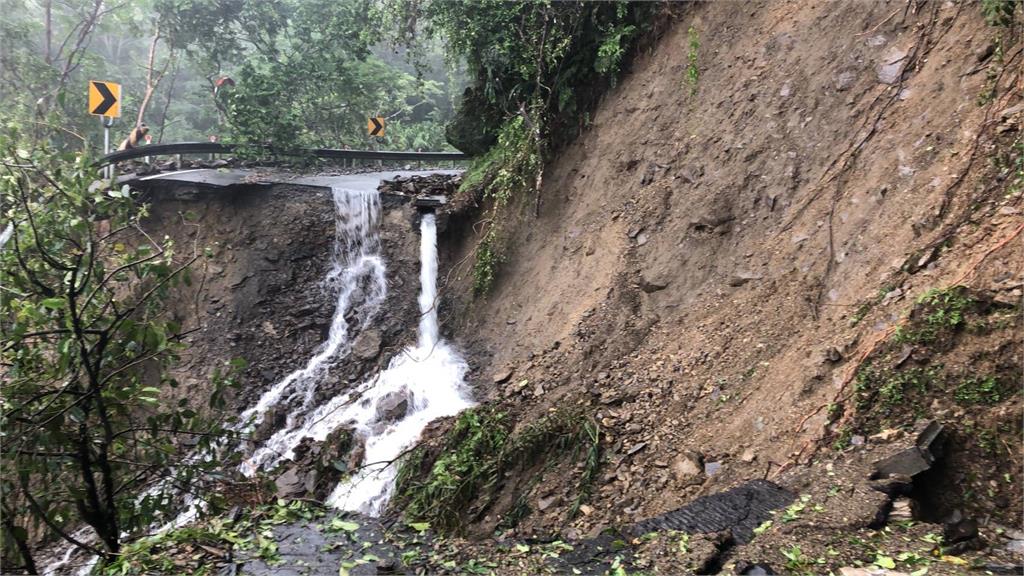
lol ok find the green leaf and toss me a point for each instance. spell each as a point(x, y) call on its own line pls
point(885, 562)
point(339, 524)
point(53, 303)
point(420, 526)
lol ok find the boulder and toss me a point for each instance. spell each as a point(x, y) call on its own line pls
point(393, 406)
point(273, 420)
point(367, 345)
point(290, 484)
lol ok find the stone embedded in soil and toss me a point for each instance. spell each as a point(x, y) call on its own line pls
point(741, 278)
point(901, 510)
point(502, 376)
point(891, 68)
point(712, 468)
point(650, 284)
point(688, 466)
point(887, 435)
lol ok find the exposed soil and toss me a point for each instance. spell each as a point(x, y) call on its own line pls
point(711, 267)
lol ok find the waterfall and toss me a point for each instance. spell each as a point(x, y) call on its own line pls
point(428, 377)
point(357, 270)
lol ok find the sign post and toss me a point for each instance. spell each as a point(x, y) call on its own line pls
point(105, 102)
point(375, 126)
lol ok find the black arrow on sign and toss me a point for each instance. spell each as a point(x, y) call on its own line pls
point(378, 127)
point(108, 98)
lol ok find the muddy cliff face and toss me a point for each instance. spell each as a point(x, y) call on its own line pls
point(714, 266)
point(257, 291)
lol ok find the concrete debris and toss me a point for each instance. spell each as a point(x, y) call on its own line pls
point(740, 510)
point(915, 459)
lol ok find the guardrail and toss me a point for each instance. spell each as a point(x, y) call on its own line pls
point(217, 148)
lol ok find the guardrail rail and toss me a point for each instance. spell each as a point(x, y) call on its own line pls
point(217, 148)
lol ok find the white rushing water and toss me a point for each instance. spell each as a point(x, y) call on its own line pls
point(429, 375)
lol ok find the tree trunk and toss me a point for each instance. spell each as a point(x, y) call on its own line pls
point(48, 40)
point(167, 105)
point(153, 77)
point(20, 543)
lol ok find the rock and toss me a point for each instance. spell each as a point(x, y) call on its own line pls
point(393, 406)
point(895, 485)
point(502, 376)
point(844, 80)
point(959, 529)
point(641, 239)
point(273, 420)
point(688, 466)
point(1015, 547)
point(748, 456)
point(1012, 111)
point(984, 51)
point(289, 485)
point(887, 435)
point(650, 286)
point(586, 510)
point(856, 440)
point(367, 345)
point(545, 503)
point(890, 71)
point(636, 448)
point(712, 468)
point(612, 396)
point(833, 355)
point(741, 278)
point(755, 569)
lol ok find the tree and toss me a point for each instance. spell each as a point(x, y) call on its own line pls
point(86, 344)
